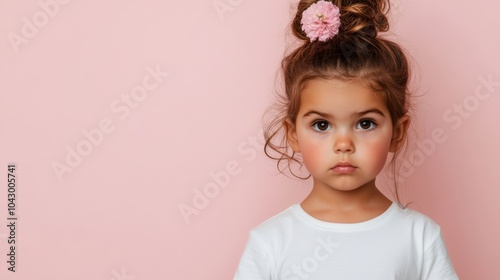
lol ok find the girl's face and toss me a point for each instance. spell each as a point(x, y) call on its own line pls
point(343, 131)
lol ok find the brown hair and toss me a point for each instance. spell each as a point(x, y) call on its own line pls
point(355, 53)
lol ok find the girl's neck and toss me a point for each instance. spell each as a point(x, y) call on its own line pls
point(331, 205)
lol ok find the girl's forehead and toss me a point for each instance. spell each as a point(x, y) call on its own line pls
point(331, 94)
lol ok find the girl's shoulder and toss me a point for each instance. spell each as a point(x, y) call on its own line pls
point(279, 221)
point(417, 224)
point(416, 219)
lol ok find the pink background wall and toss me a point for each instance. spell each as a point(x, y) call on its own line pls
point(90, 77)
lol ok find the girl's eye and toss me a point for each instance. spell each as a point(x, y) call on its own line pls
point(366, 125)
point(321, 125)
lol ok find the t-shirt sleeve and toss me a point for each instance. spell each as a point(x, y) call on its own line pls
point(255, 263)
point(436, 263)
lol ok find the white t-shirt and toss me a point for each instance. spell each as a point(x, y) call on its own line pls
point(399, 244)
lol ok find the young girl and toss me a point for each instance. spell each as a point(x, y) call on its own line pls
point(345, 110)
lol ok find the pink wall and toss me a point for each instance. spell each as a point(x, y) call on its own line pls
point(90, 77)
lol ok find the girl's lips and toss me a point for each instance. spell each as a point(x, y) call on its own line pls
point(344, 167)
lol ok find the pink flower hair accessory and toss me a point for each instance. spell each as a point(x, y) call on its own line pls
point(321, 21)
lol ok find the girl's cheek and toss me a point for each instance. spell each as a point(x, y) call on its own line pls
point(313, 154)
point(378, 153)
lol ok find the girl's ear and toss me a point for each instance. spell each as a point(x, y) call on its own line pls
point(399, 133)
point(291, 135)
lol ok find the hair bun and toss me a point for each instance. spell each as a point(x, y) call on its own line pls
point(359, 17)
point(365, 17)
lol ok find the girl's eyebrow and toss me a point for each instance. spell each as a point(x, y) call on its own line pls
point(374, 110)
point(324, 115)
point(362, 113)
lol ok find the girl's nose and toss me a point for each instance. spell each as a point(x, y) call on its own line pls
point(344, 143)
